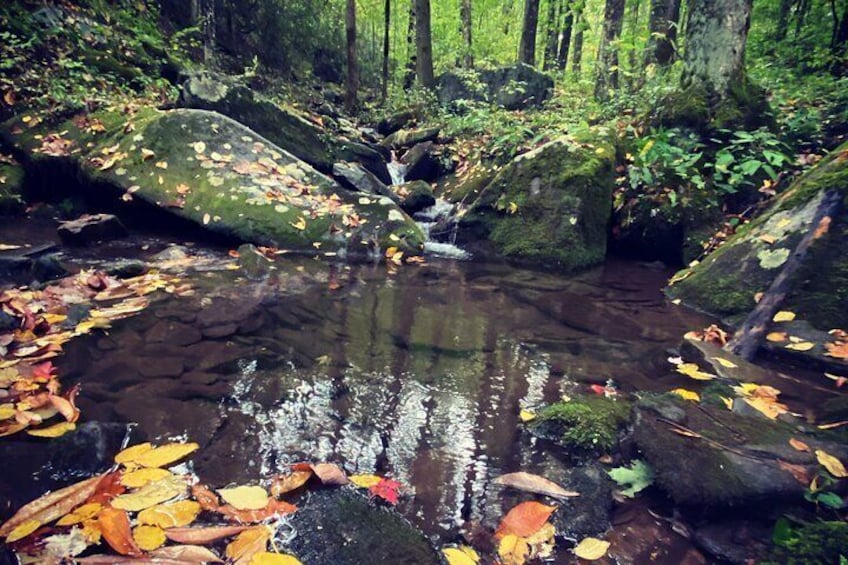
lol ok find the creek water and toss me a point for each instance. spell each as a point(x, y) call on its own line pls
point(419, 374)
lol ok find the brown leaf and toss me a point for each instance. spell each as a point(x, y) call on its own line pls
point(798, 445)
point(529, 482)
point(283, 484)
point(108, 488)
point(187, 554)
point(525, 519)
point(329, 473)
point(247, 544)
point(206, 497)
point(798, 471)
point(274, 508)
point(53, 505)
point(115, 525)
point(202, 536)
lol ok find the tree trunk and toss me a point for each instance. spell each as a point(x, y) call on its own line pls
point(409, 76)
point(352, 83)
point(801, 15)
point(552, 38)
point(387, 20)
point(716, 34)
point(565, 40)
point(465, 17)
point(579, 28)
point(840, 33)
point(606, 71)
point(527, 47)
point(424, 47)
point(662, 25)
point(633, 59)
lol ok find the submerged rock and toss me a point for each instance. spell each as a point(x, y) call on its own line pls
point(212, 171)
point(550, 205)
point(726, 282)
point(343, 527)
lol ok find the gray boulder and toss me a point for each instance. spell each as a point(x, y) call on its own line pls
point(514, 87)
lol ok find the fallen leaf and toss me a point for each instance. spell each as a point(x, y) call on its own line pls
point(23, 530)
point(783, 316)
point(798, 445)
point(525, 519)
point(286, 483)
point(833, 465)
point(462, 555)
point(115, 526)
point(727, 364)
point(56, 430)
point(129, 454)
point(149, 537)
point(203, 535)
point(247, 544)
point(591, 549)
point(687, 394)
point(187, 554)
point(365, 481)
point(801, 346)
point(147, 154)
point(692, 370)
point(81, 514)
point(173, 515)
point(266, 558)
point(245, 497)
point(164, 455)
point(526, 416)
point(151, 494)
point(387, 489)
point(140, 477)
point(838, 349)
point(529, 482)
point(799, 472)
point(776, 337)
point(274, 508)
point(329, 473)
point(53, 505)
point(513, 550)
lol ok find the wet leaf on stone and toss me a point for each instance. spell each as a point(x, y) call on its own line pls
point(206, 535)
point(247, 544)
point(173, 515)
point(524, 519)
point(23, 530)
point(151, 494)
point(636, 478)
point(833, 465)
point(783, 316)
point(267, 558)
point(164, 455)
point(245, 497)
point(286, 483)
point(462, 555)
point(141, 477)
point(529, 482)
point(591, 549)
point(52, 506)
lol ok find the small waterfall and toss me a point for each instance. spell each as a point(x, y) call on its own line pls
point(437, 222)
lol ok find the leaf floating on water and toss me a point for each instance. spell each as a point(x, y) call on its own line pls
point(247, 544)
point(23, 530)
point(636, 478)
point(529, 482)
point(365, 481)
point(801, 346)
point(591, 549)
point(833, 465)
point(286, 483)
point(149, 537)
point(266, 558)
point(52, 506)
point(115, 526)
point(462, 555)
point(387, 489)
point(164, 455)
point(513, 550)
point(81, 514)
point(141, 477)
point(525, 519)
point(173, 515)
point(245, 497)
point(151, 494)
point(783, 316)
point(187, 554)
point(203, 535)
point(56, 430)
point(329, 473)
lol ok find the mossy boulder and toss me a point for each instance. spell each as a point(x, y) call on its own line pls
point(549, 206)
point(513, 87)
point(465, 185)
point(744, 107)
point(210, 170)
point(285, 127)
point(11, 186)
point(723, 458)
point(591, 424)
point(726, 282)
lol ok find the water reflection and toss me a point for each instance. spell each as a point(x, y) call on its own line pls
point(420, 374)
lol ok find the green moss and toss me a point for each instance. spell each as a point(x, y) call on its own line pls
point(688, 108)
point(589, 423)
point(11, 188)
point(818, 543)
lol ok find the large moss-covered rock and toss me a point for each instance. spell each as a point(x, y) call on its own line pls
point(513, 87)
point(550, 206)
point(283, 126)
point(213, 171)
point(726, 282)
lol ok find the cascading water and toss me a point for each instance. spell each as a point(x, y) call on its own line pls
point(437, 222)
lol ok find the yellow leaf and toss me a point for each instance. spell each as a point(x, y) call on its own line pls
point(245, 497)
point(162, 164)
point(81, 514)
point(725, 363)
point(55, 430)
point(776, 337)
point(266, 558)
point(147, 154)
point(692, 371)
point(23, 530)
point(728, 402)
point(165, 455)
point(150, 494)
point(199, 146)
point(300, 224)
point(148, 538)
point(174, 515)
point(462, 555)
point(801, 346)
point(833, 465)
point(7, 411)
point(365, 481)
point(248, 543)
point(783, 316)
point(767, 406)
point(527, 416)
point(206, 219)
point(130, 453)
point(591, 549)
point(687, 394)
point(513, 550)
point(140, 477)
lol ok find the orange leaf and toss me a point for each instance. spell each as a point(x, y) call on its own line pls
point(115, 525)
point(247, 544)
point(108, 488)
point(52, 506)
point(274, 508)
point(525, 519)
point(798, 445)
point(329, 473)
point(287, 483)
point(202, 536)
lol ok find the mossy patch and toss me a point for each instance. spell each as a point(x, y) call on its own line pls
point(812, 544)
point(588, 424)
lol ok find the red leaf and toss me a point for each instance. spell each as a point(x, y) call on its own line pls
point(387, 489)
point(525, 519)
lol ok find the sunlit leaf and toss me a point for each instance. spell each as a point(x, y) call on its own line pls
point(365, 481)
point(148, 537)
point(687, 394)
point(462, 555)
point(173, 515)
point(525, 519)
point(245, 497)
point(727, 364)
point(783, 316)
point(692, 371)
point(833, 465)
point(82, 513)
point(140, 477)
point(151, 494)
point(591, 549)
point(513, 550)
point(23, 530)
point(164, 455)
point(115, 526)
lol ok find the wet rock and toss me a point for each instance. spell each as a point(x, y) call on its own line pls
point(213, 356)
point(253, 263)
point(589, 513)
point(157, 416)
point(88, 450)
point(371, 159)
point(741, 462)
point(218, 332)
point(48, 268)
point(91, 228)
point(126, 268)
point(393, 122)
point(356, 177)
point(408, 138)
point(549, 206)
point(421, 163)
point(171, 253)
point(174, 333)
point(170, 367)
point(514, 87)
point(342, 527)
point(415, 196)
point(726, 282)
point(735, 541)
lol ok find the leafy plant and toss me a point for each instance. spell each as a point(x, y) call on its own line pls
point(635, 478)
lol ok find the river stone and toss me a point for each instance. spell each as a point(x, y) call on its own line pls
point(213, 171)
point(343, 527)
point(410, 137)
point(415, 196)
point(91, 228)
point(393, 122)
point(356, 177)
point(253, 263)
point(726, 282)
point(421, 163)
point(549, 206)
point(697, 472)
